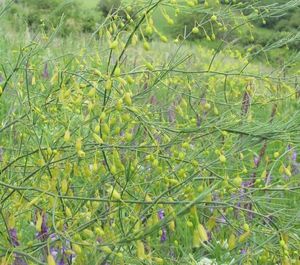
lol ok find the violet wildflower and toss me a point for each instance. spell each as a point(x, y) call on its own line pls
point(203, 100)
point(65, 256)
point(15, 242)
point(295, 168)
point(293, 153)
point(294, 156)
point(122, 133)
point(161, 215)
point(221, 220)
point(53, 237)
point(19, 261)
point(54, 251)
point(243, 251)
point(256, 161)
point(172, 253)
point(59, 253)
point(13, 237)
point(247, 184)
point(241, 199)
point(163, 237)
point(61, 262)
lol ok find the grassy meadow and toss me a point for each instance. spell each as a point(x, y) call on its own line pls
point(157, 132)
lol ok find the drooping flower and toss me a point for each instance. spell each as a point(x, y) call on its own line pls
point(43, 232)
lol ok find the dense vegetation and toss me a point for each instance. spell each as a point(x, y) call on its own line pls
point(149, 132)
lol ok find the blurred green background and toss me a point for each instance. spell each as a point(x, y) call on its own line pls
point(86, 16)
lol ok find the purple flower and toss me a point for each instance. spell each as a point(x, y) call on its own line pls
point(294, 156)
point(44, 224)
point(294, 153)
point(53, 237)
point(53, 251)
point(59, 252)
point(13, 237)
point(161, 214)
point(243, 251)
point(19, 261)
point(203, 101)
point(61, 262)
point(221, 220)
point(15, 242)
point(247, 184)
point(163, 237)
point(256, 161)
point(172, 253)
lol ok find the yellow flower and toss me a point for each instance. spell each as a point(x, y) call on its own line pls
point(222, 158)
point(140, 250)
point(202, 233)
point(51, 260)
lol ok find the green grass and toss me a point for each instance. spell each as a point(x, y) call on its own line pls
point(88, 3)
